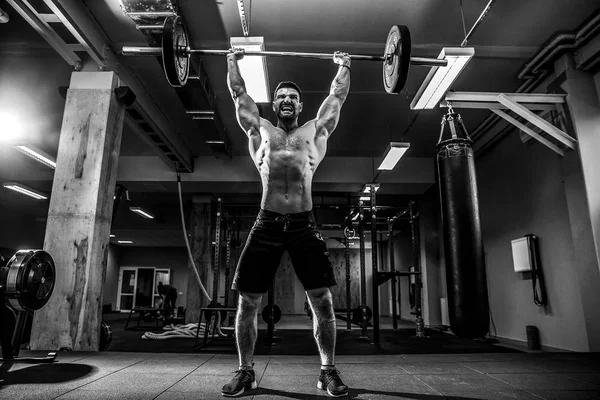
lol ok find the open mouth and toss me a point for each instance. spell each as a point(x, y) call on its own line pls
point(287, 109)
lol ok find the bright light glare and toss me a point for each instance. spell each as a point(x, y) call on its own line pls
point(142, 212)
point(367, 188)
point(394, 154)
point(440, 79)
point(10, 127)
point(253, 68)
point(38, 155)
point(27, 191)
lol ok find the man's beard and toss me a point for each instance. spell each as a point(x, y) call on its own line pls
point(287, 117)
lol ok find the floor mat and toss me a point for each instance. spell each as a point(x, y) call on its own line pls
point(301, 342)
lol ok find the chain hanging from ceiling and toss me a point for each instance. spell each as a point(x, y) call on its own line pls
point(243, 19)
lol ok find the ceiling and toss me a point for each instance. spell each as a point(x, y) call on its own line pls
point(31, 74)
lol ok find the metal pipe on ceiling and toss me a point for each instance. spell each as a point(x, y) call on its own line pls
point(532, 72)
point(558, 44)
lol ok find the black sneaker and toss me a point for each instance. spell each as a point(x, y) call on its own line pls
point(243, 380)
point(330, 380)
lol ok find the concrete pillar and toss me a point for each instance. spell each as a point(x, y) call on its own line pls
point(202, 252)
point(431, 262)
point(79, 217)
point(582, 188)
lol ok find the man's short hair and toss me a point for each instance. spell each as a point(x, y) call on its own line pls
point(288, 84)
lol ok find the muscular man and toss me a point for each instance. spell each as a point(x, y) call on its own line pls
point(286, 156)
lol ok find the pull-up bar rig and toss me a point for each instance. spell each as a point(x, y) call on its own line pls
point(380, 277)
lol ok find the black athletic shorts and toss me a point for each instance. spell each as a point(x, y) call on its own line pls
point(271, 235)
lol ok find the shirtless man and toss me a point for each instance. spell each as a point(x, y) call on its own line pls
point(286, 157)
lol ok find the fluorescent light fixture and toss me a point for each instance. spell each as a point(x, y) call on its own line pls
point(112, 236)
point(20, 188)
point(393, 154)
point(142, 212)
point(125, 241)
point(367, 187)
point(254, 68)
point(365, 198)
point(37, 155)
point(439, 79)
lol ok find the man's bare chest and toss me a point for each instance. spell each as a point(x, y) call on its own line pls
point(300, 139)
point(288, 142)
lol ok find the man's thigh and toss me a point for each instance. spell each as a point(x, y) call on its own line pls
point(258, 262)
point(310, 258)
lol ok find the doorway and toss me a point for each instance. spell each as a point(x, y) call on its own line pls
point(137, 287)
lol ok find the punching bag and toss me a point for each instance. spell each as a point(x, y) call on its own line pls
point(465, 265)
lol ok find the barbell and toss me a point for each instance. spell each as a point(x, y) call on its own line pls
point(175, 52)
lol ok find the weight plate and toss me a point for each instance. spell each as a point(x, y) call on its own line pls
point(105, 336)
point(266, 314)
point(176, 61)
point(30, 279)
point(357, 314)
point(395, 68)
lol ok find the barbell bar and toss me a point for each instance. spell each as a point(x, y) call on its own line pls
point(157, 51)
point(175, 52)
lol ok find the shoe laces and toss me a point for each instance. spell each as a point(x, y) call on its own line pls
point(242, 374)
point(333, 375)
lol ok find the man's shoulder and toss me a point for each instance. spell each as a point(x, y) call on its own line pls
point(309, 125)
point(266, 124)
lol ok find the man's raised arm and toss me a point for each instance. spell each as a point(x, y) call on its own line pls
point(246, 110)
point(329, 112)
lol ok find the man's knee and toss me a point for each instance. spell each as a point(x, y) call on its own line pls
point(321, 301)
point(249, 302)
point(320, 295)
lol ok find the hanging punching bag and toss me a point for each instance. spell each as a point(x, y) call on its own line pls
point(465, 265)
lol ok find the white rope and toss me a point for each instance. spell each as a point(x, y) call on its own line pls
point(187, 243)
point(187, 331)
point(174, 332)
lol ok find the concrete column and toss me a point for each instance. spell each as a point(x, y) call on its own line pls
point(431, 262)
point(79, 217)
point(202, 252)
point(582, 188)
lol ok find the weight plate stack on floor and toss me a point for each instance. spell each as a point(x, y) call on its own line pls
point(28, 279)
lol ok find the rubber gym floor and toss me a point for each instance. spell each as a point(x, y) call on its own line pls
point(439, 366)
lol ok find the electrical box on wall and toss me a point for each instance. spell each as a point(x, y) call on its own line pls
point(520, 253)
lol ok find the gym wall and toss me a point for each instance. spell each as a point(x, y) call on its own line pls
point(22, 232)
point(432, 261)
point(528, 195)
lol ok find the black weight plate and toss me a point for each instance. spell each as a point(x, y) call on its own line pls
point(176, 61)
point(266, 314)
point(357, 314)
point(31, 274)
point(105, 336)
point(395, 69)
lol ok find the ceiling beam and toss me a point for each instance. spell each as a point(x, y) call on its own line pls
point(39, 22)
point(90, 36)
point(520, 104)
